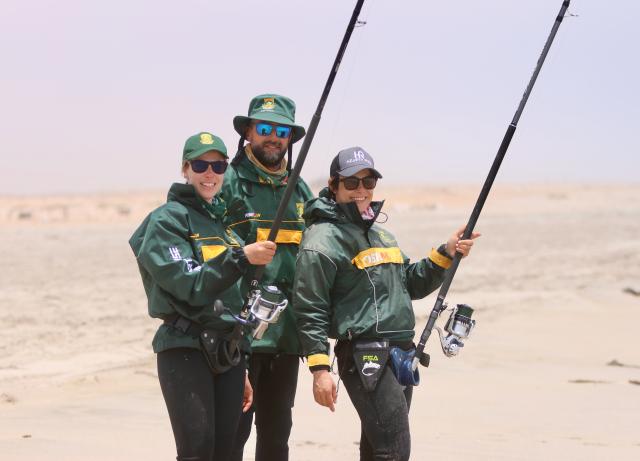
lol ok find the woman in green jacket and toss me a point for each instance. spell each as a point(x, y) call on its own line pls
point(355, 285)
point(188, 260)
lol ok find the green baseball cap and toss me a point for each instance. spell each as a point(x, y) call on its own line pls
point(202, 143)
point(271, 108)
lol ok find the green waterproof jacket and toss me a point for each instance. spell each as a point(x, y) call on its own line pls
point(187, 260)
point(252, 197)
point(352, 281)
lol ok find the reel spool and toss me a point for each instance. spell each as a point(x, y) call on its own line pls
point(265, 308)
point(459, 327)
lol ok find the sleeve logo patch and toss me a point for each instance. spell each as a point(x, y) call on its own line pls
point(175, 253)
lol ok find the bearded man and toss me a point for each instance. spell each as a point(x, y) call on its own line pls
point(253, 187)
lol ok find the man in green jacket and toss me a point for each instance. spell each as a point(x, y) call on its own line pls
point(253, 188)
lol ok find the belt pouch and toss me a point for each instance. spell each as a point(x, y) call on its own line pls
point(370, 358)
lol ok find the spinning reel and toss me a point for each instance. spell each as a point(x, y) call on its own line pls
point(265, 307)
point(459, 327)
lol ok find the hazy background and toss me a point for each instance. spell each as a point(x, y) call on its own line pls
point(100, 96)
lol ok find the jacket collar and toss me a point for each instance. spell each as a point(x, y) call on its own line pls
point(247, 170)
point(325, 207)
point(186, 195)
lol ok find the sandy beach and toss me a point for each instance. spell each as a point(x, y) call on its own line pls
point(552, 370)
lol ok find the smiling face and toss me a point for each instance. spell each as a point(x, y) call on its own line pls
point(206, 184)
point(270, 149)
point(361, 196)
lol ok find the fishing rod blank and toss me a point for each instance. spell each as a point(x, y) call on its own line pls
point(254, 302)
point(440, 304)
point(295, 173)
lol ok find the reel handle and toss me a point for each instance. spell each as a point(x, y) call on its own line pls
point(218, 308)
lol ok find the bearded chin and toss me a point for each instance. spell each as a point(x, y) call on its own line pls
point(268, 160)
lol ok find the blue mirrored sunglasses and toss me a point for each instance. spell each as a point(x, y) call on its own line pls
point(265, 129)
point(200, 166)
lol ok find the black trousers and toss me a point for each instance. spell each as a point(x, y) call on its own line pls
point(384, 412)
point(204, 408)
point(274, 378)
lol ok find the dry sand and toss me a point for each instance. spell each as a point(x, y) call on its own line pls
point(552, 370)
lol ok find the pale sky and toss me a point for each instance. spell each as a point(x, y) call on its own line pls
point(100, 96)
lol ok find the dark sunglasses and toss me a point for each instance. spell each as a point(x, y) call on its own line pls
point(352, 182)
point(200, 166)
point(265, 129)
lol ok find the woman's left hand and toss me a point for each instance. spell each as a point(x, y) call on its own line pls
point(247, 398)
point(454, 244)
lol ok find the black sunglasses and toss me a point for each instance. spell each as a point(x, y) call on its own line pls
point(352, 182)
point(200, 166)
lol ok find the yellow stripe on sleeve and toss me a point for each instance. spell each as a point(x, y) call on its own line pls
point(439, 259)
point(284, 235)
point(317, 359)
point(211, 251)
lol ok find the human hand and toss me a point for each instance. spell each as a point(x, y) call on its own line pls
point(260, 253)
point(454, 244)
point(247, 398)
point(324, 389)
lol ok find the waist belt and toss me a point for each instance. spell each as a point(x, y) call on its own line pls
point(404, 345)
point(184, 325)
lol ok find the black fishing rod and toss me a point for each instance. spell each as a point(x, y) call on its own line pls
point(254, 296)
point(461, 324)
point(315, 121)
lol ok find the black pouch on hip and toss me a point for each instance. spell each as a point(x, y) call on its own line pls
point(370, 357)
point(215, 346)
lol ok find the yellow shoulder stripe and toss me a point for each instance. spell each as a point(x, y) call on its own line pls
point(284, 235)
point(211, 251)
point(318, 359)
point(376, 256)
point(439, 259)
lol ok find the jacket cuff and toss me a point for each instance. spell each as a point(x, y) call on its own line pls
point(318, 362)
point(241, 258)
point(440, 257)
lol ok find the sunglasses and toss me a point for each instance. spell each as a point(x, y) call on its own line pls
point(200, 166)
point(352, 182)
point(265, 129)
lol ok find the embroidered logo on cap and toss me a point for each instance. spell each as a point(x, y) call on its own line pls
point(206, 138)
point(269, 104)
point(359, 156)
